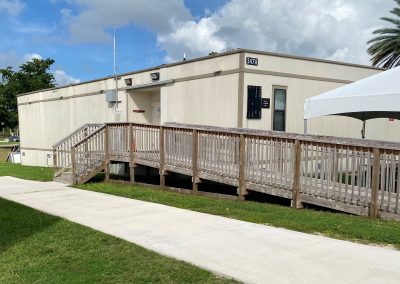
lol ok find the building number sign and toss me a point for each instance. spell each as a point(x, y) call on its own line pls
point(252, 61)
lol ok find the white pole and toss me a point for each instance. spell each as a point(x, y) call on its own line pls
point(305, 126)
point(115, 72)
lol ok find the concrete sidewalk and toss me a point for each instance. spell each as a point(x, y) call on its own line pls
point(247, 252)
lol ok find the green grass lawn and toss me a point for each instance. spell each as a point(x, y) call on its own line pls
point(4, 150)
point(26, 172)
point(335, 225)
point(2, 143)
point(39, 248)
point(3, 154)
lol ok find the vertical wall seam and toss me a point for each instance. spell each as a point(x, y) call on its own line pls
point(241, 90)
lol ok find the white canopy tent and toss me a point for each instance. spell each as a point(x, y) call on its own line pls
point(377, 96)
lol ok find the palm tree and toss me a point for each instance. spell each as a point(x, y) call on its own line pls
point(385, 48)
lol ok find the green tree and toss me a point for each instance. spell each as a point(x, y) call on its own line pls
point(32, 76)
point(385, 48)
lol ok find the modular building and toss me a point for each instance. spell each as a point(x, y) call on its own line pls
point(241, 88)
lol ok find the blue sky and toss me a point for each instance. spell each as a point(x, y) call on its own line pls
point(77, 34)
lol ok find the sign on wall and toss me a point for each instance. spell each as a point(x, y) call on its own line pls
point(252, 61)
point(265, 103)
point(254, 102)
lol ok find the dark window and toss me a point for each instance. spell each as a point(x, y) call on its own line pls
point(254, 102)
point(279, 109)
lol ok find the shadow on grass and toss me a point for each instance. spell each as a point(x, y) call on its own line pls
point(18, 222)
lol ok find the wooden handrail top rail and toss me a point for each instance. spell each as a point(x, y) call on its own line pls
point(368, 145)
point(318, 139)
point(89, 136)
point(76, 131)
point(134, 124)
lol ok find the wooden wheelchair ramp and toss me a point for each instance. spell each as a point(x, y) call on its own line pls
point(349, 175)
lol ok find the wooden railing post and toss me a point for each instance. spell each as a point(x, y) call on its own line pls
point(296, 201)
point(107, 152)
point(55, 158)
point(132, 164)
point(242, 168)
point(373, 208)
point(73, 165)
point(162, 156)
point(195, 151)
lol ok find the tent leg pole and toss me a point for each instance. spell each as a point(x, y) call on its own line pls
point(363, 130)
point(305, 126)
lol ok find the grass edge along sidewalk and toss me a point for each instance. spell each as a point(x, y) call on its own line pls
point(335, 225)
point(26, 172)
point(39, 248)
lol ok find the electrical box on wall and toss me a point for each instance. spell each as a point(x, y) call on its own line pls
point(111, 96)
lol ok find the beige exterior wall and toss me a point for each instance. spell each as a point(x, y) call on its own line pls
point(205, 92)
point(47, 117)
point(297, 91)
point(210, 101)
point(303, 67)
point(202, 67)
point(37, 157)
point(304, 79)
point(143, 101)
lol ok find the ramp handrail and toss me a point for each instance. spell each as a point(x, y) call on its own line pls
point(62, 149)
point(89, 153)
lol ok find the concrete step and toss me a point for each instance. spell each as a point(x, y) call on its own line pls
point(65, 178)
point(86, 172)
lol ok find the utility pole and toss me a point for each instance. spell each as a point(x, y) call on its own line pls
point(115, 73)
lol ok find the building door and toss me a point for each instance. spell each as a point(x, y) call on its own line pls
point(279, 113)
point(156, 113)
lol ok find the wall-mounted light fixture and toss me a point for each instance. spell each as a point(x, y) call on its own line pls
point(128, 81)
point(155, 76)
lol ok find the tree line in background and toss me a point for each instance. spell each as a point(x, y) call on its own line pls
point(32, 76)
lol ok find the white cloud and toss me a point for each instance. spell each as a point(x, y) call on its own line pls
point(12, 7)
point(337, 29)
point(62, 78)
point(197, 38)
point(94, 17)
point(31, 56)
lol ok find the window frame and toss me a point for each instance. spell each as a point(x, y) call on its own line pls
point(274, 88)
